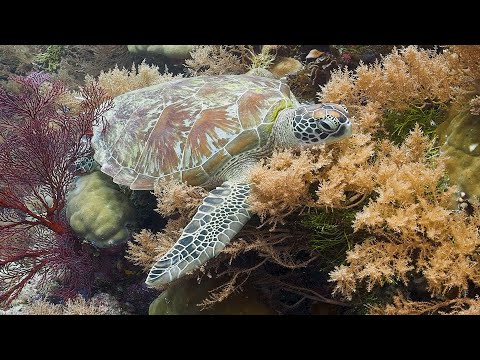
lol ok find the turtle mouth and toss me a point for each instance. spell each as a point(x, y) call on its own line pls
point(344, 131)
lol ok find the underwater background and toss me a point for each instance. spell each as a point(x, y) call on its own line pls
point(385, 221)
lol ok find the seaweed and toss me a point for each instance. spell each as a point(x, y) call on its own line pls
point(50, 60)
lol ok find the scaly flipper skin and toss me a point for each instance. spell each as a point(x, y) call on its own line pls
point(220, 217)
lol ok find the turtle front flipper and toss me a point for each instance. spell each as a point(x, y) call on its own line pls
point(220, 217)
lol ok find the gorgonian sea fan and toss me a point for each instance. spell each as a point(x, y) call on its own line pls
point(39, 145)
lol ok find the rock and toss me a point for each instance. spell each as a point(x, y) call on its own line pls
point(314, 54)
point(98, 212)
point(30, 293)
point(174, 52)
point(284, 66)
point(460, 139)
point(182, 299)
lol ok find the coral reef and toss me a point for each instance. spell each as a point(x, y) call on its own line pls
point(387, 180)
point(285, 66)
point(265, 249)
point(172, 198)
point(40, 146)
point(147, 247)
point(352, 55)
point(407, 77)
point(98, 212)
point(413, 242)
point(240, 59)
point(371, 220)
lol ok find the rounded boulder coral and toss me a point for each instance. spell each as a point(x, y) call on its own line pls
point(98, 212)
point(174, 52)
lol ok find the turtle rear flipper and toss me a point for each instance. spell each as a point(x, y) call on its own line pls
point(220, 217)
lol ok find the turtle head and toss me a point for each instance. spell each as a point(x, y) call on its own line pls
point(321, 123)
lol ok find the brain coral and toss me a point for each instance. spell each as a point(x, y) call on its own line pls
point(461, 139)
point(98, 212)
point(175, 52)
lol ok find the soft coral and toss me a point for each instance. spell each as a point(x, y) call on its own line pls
point(41, 144)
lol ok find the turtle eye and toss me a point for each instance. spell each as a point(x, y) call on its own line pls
point(325, 125)
point(328, 123)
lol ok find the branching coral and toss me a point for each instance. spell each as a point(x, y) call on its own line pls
point(99, 305)
point(147, 247)
point(238, 59)
point(409, 231)
point(216, 60)
point(37, 157)
point(175, 196)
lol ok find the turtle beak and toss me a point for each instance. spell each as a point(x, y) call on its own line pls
point(344, 131)
point(347, 129)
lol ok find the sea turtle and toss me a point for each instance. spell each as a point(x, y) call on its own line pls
point(208, 131)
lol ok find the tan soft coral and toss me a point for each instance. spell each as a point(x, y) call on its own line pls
point(409, 216)
point(281, 184)
point(403, 306)
point(406, 77)
point(100, 304)
point(216, 60)
point(351, 172)
point(173, 197)
point(469, 63)
point(334, 176)
point(119, 81)
point(147, 247)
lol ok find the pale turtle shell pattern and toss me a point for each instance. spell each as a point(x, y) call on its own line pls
point(187, 129)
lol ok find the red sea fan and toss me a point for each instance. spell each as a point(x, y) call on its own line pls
point(39, 145)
